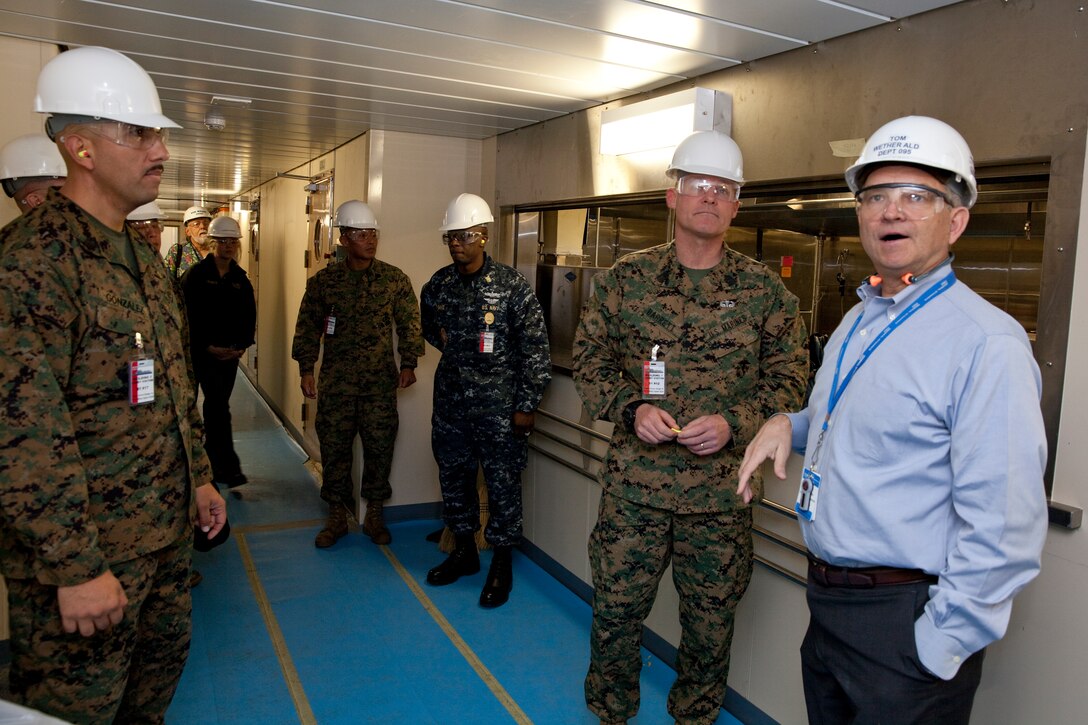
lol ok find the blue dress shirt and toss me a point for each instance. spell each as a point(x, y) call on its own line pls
point(933, 459)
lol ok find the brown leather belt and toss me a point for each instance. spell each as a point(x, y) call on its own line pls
point(829, 575)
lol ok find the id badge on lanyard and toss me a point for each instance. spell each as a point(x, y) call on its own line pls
point(653, 376)
point(808, 494)
point(487, 335)
point(141, 375)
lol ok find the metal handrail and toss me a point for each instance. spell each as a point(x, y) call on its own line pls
point(780, 540)
point(563, 462)
point(782, 571)
point(567, 444)
point(576, 426)
point(778, 508)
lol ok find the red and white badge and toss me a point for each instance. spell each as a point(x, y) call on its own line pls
point(653, 376)
point(141, 376)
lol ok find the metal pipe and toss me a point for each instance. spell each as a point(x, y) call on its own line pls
point(562, 441)
point(576, 426)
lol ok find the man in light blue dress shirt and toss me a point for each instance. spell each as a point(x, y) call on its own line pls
point(922, 501)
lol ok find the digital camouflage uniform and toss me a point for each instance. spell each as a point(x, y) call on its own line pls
point(731, 345)
point(476, 393)
point(357, 392)
point(181, 256)
point(88, 481)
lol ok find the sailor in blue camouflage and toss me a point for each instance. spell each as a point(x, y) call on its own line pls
point(722, 336)
point(102, 473)
point(495, 364)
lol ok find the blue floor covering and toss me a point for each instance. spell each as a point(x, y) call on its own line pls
point(345, 638)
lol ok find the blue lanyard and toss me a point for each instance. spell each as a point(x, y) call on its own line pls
point(837, 390)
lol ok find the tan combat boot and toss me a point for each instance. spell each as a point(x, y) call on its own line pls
point(336, 527)
point(374, 524)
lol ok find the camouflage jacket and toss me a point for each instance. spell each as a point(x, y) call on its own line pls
point(497, 299)
point(368, 305)
point(180, 257)
point(86, 478)
point(731, 345)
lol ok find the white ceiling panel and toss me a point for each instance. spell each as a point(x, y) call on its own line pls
point(323, 72)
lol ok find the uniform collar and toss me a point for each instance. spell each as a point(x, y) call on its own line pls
point(673, 274)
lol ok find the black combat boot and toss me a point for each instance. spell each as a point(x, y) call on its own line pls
point(500, 579)
point(464, 560)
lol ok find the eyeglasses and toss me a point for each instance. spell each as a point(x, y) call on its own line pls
point(700, 185)
point(199, 222)
point(148, 225)
point(226, 240)
point(128, 135)
point(915, 202)
point(358, 235)
point(463, 238)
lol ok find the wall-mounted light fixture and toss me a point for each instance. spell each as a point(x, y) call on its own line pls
point(664, 121)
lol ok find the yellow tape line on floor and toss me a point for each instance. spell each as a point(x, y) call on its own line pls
point(485, 674)
point(290, 674)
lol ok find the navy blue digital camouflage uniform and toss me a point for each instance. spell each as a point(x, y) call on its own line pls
point(476, 393)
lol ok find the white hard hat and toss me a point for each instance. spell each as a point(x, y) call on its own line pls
point(195, 212)
point(30, 156)
point(356, 215)
point(920, 141)
point(224, 227)
point(711, 153)
point(467, 210)
point(100, 83)
point(146, 212)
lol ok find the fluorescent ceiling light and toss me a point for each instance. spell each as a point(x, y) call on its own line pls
point(665, 121)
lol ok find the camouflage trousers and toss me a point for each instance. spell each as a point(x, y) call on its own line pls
point(461, 447)
point(126, 674)
point(629, 550)
point(339, 419)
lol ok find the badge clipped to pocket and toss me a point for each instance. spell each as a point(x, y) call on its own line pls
point(330, 322)
point(653, 376)
point(808, 495)
point(141, 376)
point(487, 337)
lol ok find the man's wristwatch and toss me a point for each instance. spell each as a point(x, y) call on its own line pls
point(629, 414)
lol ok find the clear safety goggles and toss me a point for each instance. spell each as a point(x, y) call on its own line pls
point(464, 238)
point(690, 185)
point(128, 135)
point(358, 235)
point(145, 226)
point(915, 202)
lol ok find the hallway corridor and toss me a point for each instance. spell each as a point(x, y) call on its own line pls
point(287, 633)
